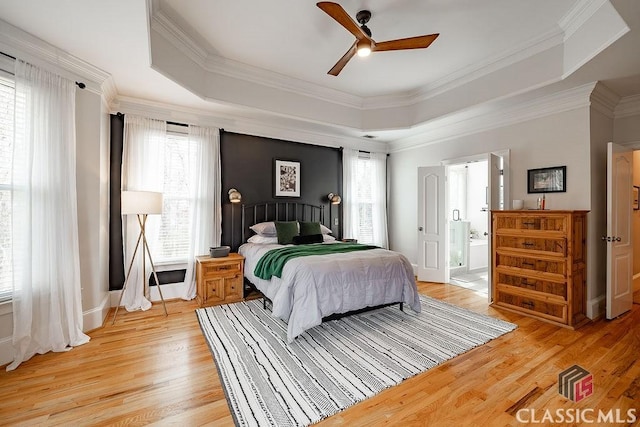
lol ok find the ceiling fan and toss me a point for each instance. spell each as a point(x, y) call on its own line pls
point(364, 44)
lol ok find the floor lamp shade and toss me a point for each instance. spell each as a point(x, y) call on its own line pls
point(141, 202)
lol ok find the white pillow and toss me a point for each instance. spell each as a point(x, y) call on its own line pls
point(267, 229)
point(327, 238)
point(262, 239)
point(324, 230)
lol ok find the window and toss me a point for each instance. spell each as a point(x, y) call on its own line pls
point(175, 228)
point(7, 97)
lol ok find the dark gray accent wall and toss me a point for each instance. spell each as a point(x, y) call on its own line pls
point(116, 258)
point(248, 165)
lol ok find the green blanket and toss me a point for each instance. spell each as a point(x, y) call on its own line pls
point(272, 263)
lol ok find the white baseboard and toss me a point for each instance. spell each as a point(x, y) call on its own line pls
point(169, 291)
point(94, 318)
point(596, 307)
point(6, 351)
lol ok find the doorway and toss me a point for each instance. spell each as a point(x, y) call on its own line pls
point(468, 225)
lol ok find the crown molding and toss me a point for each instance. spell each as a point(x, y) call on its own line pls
point(235, 123)
point(497, 62)
point(604, 100)
point(486, 117)
point(578, 15)
point(230, 68)
point(19, 43)
point(167, 28)
point(109, 92)
point(627, 107)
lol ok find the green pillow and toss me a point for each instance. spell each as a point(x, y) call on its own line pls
point(286, 230)
point(309, 228)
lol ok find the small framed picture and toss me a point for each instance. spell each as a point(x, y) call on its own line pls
point(636, 204)
point(286, 178)
point(547, 180)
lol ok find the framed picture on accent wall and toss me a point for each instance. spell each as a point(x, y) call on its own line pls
point(286, 178)
point(547, 180)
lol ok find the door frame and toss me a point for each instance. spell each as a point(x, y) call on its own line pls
point(506, 186)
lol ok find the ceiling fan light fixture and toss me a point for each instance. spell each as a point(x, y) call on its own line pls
point(364, 48)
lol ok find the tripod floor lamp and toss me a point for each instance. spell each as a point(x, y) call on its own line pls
point(141, 204)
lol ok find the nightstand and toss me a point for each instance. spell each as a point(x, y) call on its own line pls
point(219, 280)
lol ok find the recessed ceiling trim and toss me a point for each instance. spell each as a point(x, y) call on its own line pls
point(578, 15)
point(180, 38)
point(482, 119)
point(235, 123)
point(542, 43)
point(164, 26)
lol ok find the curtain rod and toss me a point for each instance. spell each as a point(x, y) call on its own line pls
point(79, 84)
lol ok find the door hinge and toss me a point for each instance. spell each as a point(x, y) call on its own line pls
point(501, 172)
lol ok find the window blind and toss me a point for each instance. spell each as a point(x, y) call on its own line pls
point(175, 228)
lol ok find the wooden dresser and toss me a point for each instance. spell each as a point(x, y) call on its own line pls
point(219, 280)
point(539, 264)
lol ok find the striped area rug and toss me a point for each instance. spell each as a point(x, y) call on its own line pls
point(335, 365)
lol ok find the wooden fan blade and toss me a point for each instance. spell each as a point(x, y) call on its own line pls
point(419, 42)
point(343, 61)
point(336, 11)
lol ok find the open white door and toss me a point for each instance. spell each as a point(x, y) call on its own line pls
point(619, 232)
point(493, 202)
point(432, 225)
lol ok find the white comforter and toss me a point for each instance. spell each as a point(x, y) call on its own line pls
point(316, 286)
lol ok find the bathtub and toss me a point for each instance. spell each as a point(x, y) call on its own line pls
point(478, 254)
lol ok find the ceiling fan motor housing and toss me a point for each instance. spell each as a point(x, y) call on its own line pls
point(363, 17)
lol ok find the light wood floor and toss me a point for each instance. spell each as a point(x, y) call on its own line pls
point(151, 369)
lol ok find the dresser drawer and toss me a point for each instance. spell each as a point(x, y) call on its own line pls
point(531, 264)
point(531, 222)
point(555, 311)
point(533, 284)
point(551, 246)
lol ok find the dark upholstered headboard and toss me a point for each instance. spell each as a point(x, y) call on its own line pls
point(278, 211)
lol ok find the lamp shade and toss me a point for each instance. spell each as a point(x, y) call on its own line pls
point(234, 196)
point(334, 199)
point(140, 202)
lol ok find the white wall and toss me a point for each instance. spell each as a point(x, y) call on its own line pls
point(555, 140)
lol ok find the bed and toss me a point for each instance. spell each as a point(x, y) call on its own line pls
point(312, 288)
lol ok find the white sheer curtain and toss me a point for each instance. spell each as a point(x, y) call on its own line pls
point(47, 309)
point(350, 205)
point(378, 165)
point(205, 187)
point(142, 170)
point(365, 196)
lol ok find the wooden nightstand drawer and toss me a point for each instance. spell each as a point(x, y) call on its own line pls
point(219, 280)
point(230, 268)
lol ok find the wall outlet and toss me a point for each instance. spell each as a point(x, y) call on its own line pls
point(335, 221)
